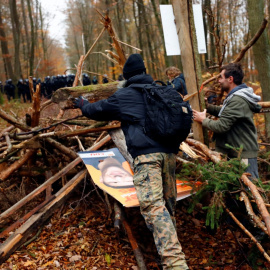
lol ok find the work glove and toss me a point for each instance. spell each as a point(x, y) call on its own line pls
point(79, 102)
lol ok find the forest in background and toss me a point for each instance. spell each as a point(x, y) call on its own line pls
point(41, 158)
point(28, 50)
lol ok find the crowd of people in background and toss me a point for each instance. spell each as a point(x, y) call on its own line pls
point(47, 86)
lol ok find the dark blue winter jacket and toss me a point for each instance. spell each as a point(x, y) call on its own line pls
point(179, 84)
point(127, 105)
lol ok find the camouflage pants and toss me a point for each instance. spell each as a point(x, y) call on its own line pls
point(154, 180)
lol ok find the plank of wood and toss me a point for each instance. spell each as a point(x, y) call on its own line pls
point(20, 235)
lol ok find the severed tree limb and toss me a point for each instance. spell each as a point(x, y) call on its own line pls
point(36, 107)
point(9, 155)
point(181, 160)
point(252, 41)
point(259, 201)
point(129, 45)
point(93, 93)
point(94, 44)
point(79, 71)
point(214, 156)
point(32, 143)
point(45, 104)
point(49, 127)
point(13, 121)
point(106, 21)
point(253, 216)
point(242, 52)
point(261, 249)
point(63, 149)
point(64, 134)
point(77, 138)
point(8, 142)
point(8, 129)
point(17, 164)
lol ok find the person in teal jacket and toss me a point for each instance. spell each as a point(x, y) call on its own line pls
point(235, 125)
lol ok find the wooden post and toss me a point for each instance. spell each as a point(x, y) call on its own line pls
point(184, 32)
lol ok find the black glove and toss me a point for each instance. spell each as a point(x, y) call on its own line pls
point(79, 102)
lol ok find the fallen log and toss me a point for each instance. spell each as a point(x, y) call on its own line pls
point(256, 220)
point(20, 235)
point(93, 93)
point(259, 201)
point(214, 156)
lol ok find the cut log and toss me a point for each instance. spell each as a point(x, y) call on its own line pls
point(214, 156)
point(92, 92)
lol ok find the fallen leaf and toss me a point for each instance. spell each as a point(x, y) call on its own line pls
point(75, 258)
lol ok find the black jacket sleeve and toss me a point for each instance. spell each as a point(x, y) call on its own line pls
point(102, 110)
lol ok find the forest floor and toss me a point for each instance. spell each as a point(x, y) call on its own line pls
point(81, 235)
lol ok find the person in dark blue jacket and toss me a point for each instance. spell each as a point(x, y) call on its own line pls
point(154, 162)
point(176, 79)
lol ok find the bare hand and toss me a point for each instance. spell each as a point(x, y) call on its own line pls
point(199, 116)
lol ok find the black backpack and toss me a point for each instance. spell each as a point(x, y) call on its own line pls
point(167, 117)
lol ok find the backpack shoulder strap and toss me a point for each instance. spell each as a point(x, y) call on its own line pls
point(140, 86)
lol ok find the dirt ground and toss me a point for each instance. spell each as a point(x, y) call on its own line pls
point(80, 235)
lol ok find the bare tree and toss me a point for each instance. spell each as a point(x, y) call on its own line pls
point(16, 30)
point(261, 52)
point(5, 51)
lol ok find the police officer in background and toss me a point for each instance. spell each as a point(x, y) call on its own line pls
point(86, 79)
point(94, 81)
point(105, 78)
point(70, 79)
point(27, 90)
point(1, 88)
point(120, 78)
point(21, 90)
point(48, 87)
point(9, 89)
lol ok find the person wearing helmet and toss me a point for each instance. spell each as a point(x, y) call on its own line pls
point(9, 89)
point(86, 79)
point(105, 78)
point(94, 81)
point(21, 90)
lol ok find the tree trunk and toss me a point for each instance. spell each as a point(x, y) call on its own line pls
point(27, 46)
point(16, 30)
point(32, 48)
point(261, 53)
point(5, 51)
point(159, 24)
